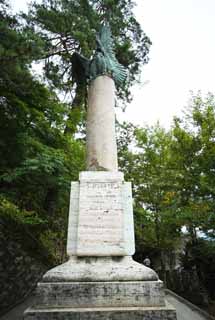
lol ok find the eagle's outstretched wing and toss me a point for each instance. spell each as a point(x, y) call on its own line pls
point(105, 44)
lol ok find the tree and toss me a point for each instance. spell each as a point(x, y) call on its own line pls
point(194, 153)
point(68, 26)
point(173, 187)
point(145, 155)
point(37, 160)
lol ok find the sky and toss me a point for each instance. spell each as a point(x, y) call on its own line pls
point(182, 58)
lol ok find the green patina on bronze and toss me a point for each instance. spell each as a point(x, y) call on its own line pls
point(103, 61)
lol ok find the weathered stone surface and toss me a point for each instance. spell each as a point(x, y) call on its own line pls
point(128, 219)
point(73, 219)
point(100, 269)
point(101, 216)
point(101, 140)
point(129, 313)
point(97, 176)
point(100, 294)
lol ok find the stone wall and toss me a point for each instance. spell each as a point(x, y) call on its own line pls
point(20, 270)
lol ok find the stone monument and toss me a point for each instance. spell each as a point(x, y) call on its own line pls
point(100, 280)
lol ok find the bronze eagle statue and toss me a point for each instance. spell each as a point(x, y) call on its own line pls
point(103, 61)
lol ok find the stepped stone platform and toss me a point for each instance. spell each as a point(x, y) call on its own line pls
point(100, 294)
point(125, 313)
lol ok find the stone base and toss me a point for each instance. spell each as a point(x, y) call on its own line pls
point(116, 300)
point(99, 294)
point(100, 269)
point(166, 312)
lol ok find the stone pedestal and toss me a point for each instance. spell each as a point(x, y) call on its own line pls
point(100, 280)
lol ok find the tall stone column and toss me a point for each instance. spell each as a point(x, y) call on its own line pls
point(101, 139)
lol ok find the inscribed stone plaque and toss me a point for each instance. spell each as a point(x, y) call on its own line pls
point(101, 223)
point(126, 246)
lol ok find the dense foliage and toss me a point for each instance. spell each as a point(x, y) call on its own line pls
point(173, 174)
point(40, 151)
point(37, 160)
